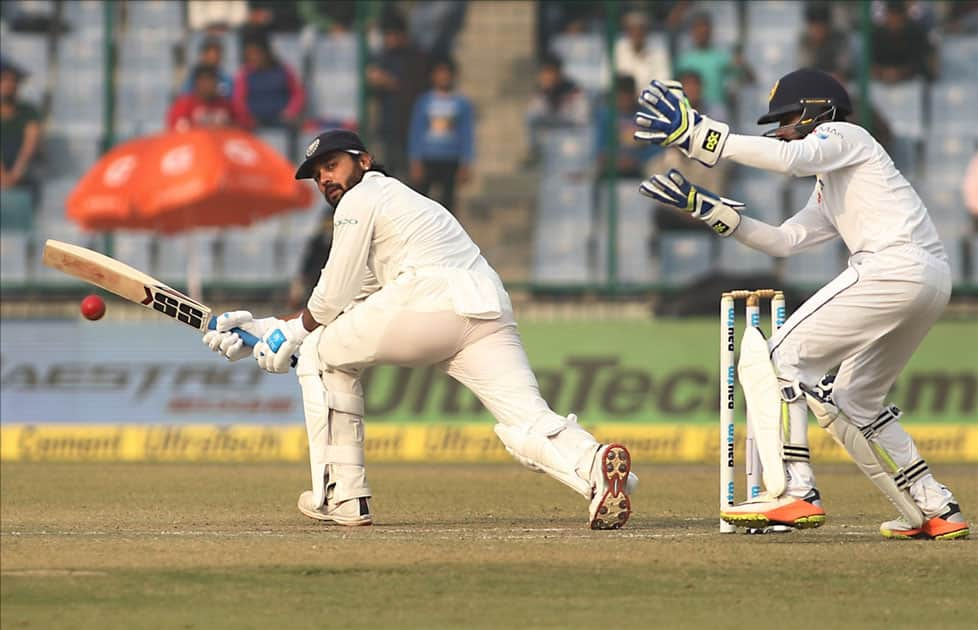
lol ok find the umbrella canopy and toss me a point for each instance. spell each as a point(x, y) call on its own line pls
point(178, 181)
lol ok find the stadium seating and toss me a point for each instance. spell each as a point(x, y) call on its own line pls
point(30, 53)
point(761, 192)
point(903, 106)
point(566, 151)
point(958, 54)
point(133, 248)
point(953, 104)
point(334, 93)
point(735, 256)
point(248, 255)
point(176, 254)
point(585, 57)
point(13, 258)
point(684, 257)
point(563, 230)
point(635, 229)
point(16, 210)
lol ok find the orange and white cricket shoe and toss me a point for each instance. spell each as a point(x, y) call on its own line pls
point(947, 525)
point(803, 513)
point(351, 513)
point(613, 482)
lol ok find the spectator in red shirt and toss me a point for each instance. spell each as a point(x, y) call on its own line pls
point(204, 107)
point(266, 91)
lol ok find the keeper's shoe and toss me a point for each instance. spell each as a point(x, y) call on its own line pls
point(351, 513)
point(613, 481)
point(803, 513)
point(947, 525)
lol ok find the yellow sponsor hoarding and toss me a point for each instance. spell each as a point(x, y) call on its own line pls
point(661, 443)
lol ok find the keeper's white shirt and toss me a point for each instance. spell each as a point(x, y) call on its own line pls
point(385, 232)
point(859, 194)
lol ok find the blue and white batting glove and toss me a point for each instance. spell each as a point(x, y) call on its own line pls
point(673, 189)
point(274, 351)
point(674, 123)
point(228, 343)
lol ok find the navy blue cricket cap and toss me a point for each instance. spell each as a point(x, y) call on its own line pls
point(329, 142)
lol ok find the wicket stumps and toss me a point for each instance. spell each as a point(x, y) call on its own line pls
point(728, 385)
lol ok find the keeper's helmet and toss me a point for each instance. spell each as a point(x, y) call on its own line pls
point(814, 94)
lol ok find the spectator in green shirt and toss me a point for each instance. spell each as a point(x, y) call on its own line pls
point(714, 65)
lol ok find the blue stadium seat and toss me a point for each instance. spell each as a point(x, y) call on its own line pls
point(763, 194)
point(563, 230)
point(142, 100)
point(85, 16)
point(817, 265)
point(949, 154)
point(958, 55)
point(52, 209)
point(335, 84)
point(13, 258)
point(902, 104)
point(585, 58)
point(770, 59)
point(69, 155)
point(249, 256)
point(163, 15)
point(275, 138)
point(133, 248)
point(752, 104)
point(635, 231)
point(565, 151)
point(683, 258)
point(173, 256)
point(771, 16)
point(29, 52)
point(288, 48)
point(735, 256)
point(953, 105)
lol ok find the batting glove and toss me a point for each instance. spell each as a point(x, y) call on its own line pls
point(274, 351)
point(673, 189)
point(225, 341)
point(674, 123)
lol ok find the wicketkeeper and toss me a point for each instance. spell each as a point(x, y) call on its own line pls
point(405, 285)
point(867, 322)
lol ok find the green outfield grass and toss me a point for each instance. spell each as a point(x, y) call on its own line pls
point(493, 546)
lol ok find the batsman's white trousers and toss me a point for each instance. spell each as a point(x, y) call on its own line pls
point(867, 322)
point(402, 324)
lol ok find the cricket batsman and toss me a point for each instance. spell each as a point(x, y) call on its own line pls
point(405, 285)
point(867, 322)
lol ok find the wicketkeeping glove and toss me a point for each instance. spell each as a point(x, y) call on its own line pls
point(672, 189)
point(674, 123)
point(274, 351)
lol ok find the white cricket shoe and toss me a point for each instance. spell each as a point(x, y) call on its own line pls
point(351, 513)
point(612, 481)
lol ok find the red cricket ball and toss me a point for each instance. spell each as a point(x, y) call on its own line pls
point(93, 307)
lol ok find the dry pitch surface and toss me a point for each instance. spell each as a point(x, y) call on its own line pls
point(493, 546)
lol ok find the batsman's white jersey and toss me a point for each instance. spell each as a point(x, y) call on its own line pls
point(405, 285)
point(869, 320)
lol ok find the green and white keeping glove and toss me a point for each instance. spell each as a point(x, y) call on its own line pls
point(673, 189)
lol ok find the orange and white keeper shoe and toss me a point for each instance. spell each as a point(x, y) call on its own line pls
point(947, 525)
point(803, 513)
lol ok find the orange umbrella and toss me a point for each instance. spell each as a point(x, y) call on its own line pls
point(177, 181)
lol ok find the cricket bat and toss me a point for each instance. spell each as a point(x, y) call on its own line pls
point(134, 285)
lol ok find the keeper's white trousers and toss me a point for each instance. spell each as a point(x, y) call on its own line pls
point(867, 322)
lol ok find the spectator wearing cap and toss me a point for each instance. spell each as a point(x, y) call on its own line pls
point(396, 76)
point(901, 48)
point(266, 91)
point(441, 143)
point(205, 106)
point(821, 46)
point(20, 131)
point(635, 57)
point(211, 53)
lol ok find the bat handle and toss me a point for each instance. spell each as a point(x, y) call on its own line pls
point(249, 340)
